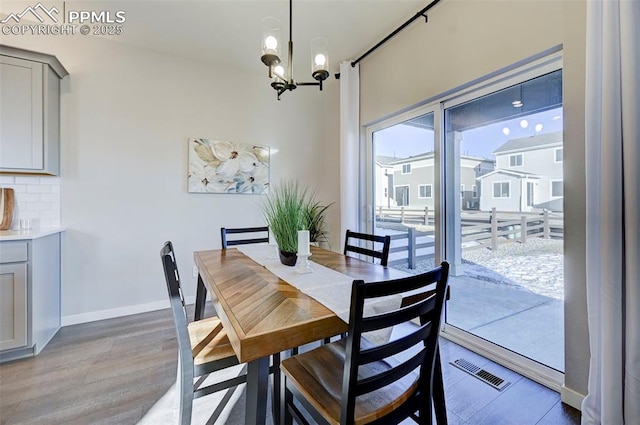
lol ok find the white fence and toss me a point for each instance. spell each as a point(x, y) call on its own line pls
point(478, 229)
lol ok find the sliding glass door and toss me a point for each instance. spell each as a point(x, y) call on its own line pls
point(506, 242)
point(476, 178)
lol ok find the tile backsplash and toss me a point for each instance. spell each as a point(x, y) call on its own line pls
point(37, 198)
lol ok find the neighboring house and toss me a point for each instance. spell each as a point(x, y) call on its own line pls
point(412, 181)
point(528, 175)
point(384, 181)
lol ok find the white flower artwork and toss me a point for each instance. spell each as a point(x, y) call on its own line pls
point(224, 167)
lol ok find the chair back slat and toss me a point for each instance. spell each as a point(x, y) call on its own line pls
point(367, 385)
point(392, 318)
point(382, 254)
point(261, 237)
point(396, 346)
point(424, 337)
point(364, 251)
point(398, 286)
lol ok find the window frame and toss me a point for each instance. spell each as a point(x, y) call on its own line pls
point(516, 155)
point(551, 182)
point(493, 191)
point(430, 186)
point(555, 155)
point(406, 165)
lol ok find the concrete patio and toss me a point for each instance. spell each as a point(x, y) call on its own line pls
point(512, 297)
point(515, 318)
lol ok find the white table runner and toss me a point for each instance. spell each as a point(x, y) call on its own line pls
point(327, 286)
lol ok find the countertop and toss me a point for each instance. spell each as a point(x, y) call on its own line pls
point(17, 235)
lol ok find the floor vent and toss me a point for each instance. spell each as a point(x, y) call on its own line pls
point(486, 377)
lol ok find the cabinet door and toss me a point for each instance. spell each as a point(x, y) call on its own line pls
point(21, 112)
point(13, 305)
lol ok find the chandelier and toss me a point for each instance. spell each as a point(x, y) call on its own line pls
point(282, 81)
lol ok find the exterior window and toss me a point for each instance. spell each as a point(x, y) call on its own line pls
point(501, 189)
point(406, 168)
point(557, 188)
point(424, 191)
point(515, 160)
point(474, 190)
point(386, 192)
point(402, 196)
point(462, 191)
point(558, 154)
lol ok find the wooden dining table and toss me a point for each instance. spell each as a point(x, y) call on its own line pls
point(263, 315)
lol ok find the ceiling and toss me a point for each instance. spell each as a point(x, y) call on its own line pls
point(228, 32)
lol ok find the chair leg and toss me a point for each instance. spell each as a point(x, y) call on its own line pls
point(288, 400)
point(185, 392)
point(438, 392)
point(277, 386)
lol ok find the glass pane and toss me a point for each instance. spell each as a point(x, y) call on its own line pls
point(404, 201)
point(507, 256)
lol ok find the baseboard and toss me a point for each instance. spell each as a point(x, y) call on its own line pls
point(571, 397)
point(118, 312)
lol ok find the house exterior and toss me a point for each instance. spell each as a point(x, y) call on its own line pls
point(384, 181)
point(412, 180)
point(528, 175)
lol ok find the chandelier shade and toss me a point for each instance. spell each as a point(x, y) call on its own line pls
point(270, 41)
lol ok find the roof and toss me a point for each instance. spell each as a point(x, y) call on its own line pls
point(529, 143)
point(385, 160)
point(517, 174)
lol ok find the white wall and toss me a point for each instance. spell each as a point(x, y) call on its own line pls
point(127, 113)
point(466, 40)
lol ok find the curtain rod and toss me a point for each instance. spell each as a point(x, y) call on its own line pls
point(396, 31)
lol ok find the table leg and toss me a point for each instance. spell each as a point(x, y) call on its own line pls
point(201, 297)
point(257, 386)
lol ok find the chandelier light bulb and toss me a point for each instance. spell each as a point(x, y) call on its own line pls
point(320, 59)
point(524, 123)
point(506, 131)
point(271, 42)
point(279, 71)
point(539, 128)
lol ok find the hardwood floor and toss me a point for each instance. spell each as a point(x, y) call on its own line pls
point(113, 371)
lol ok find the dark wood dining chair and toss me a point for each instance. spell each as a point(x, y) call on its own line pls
point(203, 346)
point(242, 236)
point(354, 381)
point(256, 235)
point(381, 253)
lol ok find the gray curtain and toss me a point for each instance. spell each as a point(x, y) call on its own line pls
point(613, 211)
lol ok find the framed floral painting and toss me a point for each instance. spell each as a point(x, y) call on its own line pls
point(224, 167)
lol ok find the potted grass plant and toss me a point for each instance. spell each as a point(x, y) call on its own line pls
point(291, 207)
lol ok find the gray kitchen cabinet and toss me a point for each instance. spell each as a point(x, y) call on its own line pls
point(13, 306)
point(29, 295)
point(29, 111)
